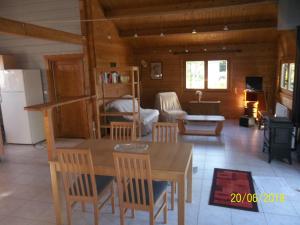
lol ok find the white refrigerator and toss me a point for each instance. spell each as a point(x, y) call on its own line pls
point(20, 88)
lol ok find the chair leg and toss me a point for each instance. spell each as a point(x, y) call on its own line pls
point(173, 190)
point(132, 213)
point(166, 208)
point(96, 214)
point(69, 214)
point(151, 216)
point(122, 218)
point(112, 199)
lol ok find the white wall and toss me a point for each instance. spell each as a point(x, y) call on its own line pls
point(29, 52)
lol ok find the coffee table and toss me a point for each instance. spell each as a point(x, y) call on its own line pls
point(218, 120)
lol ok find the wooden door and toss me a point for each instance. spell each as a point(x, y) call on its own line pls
point(66, 80)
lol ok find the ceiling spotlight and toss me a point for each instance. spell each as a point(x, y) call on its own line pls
point(162, 34)
point(109, 37)
point(170, 50)
point(186, 50)
point(226, 28)
point(194, 31)
point(205, 49)
point(135, 35)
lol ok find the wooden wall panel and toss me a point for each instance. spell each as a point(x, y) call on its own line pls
point(286, 51)
point(254, 59)
point(109, 48)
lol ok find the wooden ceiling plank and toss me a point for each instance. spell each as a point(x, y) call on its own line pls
point(209, 38)
point(200, 29)
point(186, 7)
point(9, 26)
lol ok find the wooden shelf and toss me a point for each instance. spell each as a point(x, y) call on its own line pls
point(115, 91)
point(118, 113)
point(116, 98)
point(110, 84)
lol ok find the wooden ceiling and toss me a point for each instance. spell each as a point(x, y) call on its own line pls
point(248, 21)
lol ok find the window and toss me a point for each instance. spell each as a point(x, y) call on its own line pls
point(284, 75)
point(195, 74)
point(291, 77)
point(216, 74)
point(287, 76)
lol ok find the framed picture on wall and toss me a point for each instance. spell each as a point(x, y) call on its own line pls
point(156, 70)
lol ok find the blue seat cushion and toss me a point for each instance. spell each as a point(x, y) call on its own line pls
point(101, 184)
point(158, 188)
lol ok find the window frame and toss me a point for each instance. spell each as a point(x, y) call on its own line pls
point(206, 89)
point(205, 81)
point(283, 89)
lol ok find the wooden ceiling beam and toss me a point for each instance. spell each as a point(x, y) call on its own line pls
point(26, 29)
point(186, 7)
point(199, 29)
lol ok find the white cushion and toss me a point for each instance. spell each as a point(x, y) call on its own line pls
point(172, 115)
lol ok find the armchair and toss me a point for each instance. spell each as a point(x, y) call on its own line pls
point(169, 106)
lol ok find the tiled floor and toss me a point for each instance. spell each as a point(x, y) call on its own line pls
point(25, 195)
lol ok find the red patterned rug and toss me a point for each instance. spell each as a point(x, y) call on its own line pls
point(233, 189)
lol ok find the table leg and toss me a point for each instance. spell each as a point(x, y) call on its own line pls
point(181, 200)
point(56, 194)
point(190, 181)
point(181, 126)
point(219, 128)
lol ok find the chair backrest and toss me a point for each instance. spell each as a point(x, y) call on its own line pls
point(78, 173)
point(164, 132)
point(165, 101)
point(122, 131)
point(133, 173)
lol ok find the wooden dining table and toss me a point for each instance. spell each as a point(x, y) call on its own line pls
point(169, 162)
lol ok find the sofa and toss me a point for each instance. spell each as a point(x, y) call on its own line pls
point(148, 116)
point(169, 106)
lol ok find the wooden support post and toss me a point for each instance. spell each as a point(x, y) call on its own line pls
point(48, 126)
point(56, 193)
point(47, 109)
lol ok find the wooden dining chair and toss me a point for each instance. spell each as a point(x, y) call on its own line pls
point(136, 189)
point(166, 133)
point(122, 131)
point(81, 185)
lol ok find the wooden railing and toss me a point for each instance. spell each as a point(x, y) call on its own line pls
point(47, 110)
